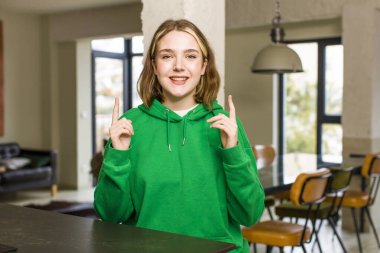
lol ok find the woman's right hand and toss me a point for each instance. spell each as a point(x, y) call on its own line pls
point(120, 130)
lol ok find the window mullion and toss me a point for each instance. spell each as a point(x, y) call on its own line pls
point(320, 95)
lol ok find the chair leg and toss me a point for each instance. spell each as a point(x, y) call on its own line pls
point(281, 249)
point(362, 220)
point(317, 231)
point(254, 248)
point(372, 225)
point(332, 224)
point(356, 229)
point(316, 237)
point(269, 249)
point(303, 248)
point(270, 213)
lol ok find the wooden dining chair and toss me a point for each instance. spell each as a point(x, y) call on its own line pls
point(308, 189)
point(329, 209)
point(265, 155)
point(364, 199)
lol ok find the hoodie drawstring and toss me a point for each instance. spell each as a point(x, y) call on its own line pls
point(184, 131)
point(168, 130)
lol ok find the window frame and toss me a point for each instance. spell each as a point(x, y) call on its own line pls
point(322, 117)
point(126, 57)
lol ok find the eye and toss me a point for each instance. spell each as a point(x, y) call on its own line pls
point(166, 56)
point(191, 56)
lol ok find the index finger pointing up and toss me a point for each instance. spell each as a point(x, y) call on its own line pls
point(115, 113)
point(232, 108)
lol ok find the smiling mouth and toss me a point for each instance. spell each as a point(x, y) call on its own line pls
point(178, 79)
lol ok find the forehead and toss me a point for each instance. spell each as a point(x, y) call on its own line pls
point(178, 40)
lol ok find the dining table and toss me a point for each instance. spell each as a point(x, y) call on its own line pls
point(279, 175)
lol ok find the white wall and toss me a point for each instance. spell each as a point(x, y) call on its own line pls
point(22, 79)
point(84, 112)
point(99, 22)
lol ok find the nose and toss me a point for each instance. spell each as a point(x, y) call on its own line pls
point(178, 65)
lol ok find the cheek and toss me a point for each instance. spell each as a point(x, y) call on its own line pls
point(197, 68)
point(162, 68)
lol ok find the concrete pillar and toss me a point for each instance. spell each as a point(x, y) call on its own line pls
point(209, 16)
point(361, 104)
point(361, 40)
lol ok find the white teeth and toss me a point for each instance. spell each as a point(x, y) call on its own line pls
point(179, 78)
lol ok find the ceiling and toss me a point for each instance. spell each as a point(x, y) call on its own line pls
point(54, 6)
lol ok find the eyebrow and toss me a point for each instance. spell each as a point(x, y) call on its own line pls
point(171, 50)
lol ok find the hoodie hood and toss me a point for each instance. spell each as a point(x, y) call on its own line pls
point(161, 112)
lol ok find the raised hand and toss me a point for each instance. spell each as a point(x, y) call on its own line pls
point(227, 125)
point(120, 130)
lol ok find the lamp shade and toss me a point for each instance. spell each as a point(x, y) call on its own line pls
point(277, 58)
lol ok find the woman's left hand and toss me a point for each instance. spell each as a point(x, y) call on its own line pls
point(227, 126)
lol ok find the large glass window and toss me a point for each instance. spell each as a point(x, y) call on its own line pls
point(117, 64)
point(334, 80)
point(311, 102)
point(301, 102)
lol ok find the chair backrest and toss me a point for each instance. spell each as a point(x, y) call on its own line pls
point(310, 187)
point(371, 171)
point(371, 165)
point(341, 178)
point(264, 154)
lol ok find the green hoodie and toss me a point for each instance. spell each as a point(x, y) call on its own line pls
point(176, 177)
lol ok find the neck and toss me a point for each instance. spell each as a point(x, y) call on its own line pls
point(179, 105)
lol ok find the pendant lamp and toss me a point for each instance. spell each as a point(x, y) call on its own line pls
point(277, 57)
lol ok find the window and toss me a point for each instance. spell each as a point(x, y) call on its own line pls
point(311, 102)
point(116, 67)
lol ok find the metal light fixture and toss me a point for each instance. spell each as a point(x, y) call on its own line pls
point(277, 57)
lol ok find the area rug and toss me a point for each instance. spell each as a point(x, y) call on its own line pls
point(67, 207)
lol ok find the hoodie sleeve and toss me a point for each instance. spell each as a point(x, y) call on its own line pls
point(245, 194)
point(112, 198)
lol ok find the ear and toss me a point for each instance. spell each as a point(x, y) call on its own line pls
point(204, 66)
point(154, 66)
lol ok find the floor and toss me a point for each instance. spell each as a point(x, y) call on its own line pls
point(43, 197)
point(329, 243)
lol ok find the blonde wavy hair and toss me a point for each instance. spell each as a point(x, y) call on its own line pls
point(206, 91)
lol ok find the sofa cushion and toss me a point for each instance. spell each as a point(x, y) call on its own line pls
point(9, 150)
point(25, 175)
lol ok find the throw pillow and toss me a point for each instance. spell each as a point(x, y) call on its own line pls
point(37, 160)
point(15, 163)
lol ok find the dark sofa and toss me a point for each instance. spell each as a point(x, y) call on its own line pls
point(39, 172)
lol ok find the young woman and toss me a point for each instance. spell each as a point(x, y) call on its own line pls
point(180, 163)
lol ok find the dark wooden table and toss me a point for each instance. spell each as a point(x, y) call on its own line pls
point(31, 230)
